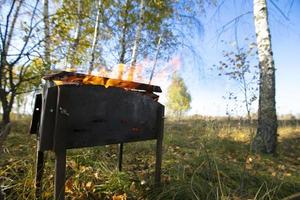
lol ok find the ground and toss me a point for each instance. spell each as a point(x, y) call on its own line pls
point(203, 158)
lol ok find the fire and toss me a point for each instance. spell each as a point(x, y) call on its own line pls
point(123, 76)
point(93, 80)
point(121, 71)
point(73, 78)
point(103, 77)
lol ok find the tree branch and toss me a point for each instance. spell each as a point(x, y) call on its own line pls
point(29, 33)
point(279, 10)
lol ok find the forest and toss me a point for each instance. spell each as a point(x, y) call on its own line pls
point(149, 99)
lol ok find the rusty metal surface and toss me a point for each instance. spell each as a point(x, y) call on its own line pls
point(48, 119)
point(63, 75)
point(77, 116)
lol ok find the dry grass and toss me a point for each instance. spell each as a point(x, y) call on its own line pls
point(203, 159)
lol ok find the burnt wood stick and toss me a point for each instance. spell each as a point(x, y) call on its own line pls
point(60, 175)
point(120, 156)
point(39, 174)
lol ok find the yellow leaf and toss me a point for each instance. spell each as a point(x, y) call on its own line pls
point(69, 186)
point(120, 197)
point(88, 185)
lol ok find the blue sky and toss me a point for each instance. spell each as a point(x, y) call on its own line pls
point(207, 88)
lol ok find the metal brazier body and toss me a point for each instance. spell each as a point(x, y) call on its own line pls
point(76, 116)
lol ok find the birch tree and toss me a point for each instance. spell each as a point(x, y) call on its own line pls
point(137, 39)
point(178, 97)
point(78, 31)
point(72, 28)
point(125, 23)
point(95, 37)
point(266, 135)
point(47, 34)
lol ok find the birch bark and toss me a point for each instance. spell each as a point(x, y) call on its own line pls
point(137, 40)
point(95, 38)
point(124, 33)
point(77, 33)
point(47, 34)
point(266, 135)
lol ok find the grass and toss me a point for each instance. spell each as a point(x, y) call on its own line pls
point(203, 159)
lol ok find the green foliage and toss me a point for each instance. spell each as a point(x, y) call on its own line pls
point(118, 23)
point(178, 97)
point(63, 33)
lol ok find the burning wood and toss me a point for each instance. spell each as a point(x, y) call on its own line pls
point(66, 78)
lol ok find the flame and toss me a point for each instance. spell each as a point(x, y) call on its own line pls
point(93, 80)
point(103, 72)
point(90, 80)
point(121, 71)
point(67, 78)
point(70, 69)
point(103, 77)
point(123, 75)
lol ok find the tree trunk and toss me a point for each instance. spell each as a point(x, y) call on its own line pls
point(5, 107)
point(4, 131)
point(5, 115)
point(124, 33)
point(95, 39)
point(266, 136)
point(155, 59)
point(47, 34)
point(123, 46)
point(12, 27)
point(77, 33)
point(137, 40)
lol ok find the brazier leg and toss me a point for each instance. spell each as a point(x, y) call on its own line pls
point(39, 174)
point(120, 156)
point(159, 148)
point(60, 175)
point(158, 161)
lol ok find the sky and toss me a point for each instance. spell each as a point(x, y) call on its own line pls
point(204, 84)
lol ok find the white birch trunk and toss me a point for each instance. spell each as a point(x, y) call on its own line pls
point(12, 27)
point(266, 136)
point(77, 33)
point(155, 59)
point(95, 38)
point(124, 33)
point(47, 34)
point(137, 40)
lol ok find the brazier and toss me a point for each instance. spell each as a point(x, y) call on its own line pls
point(78, 115)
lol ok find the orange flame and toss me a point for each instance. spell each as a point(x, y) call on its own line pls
point(121, 71)
point(107, 78)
